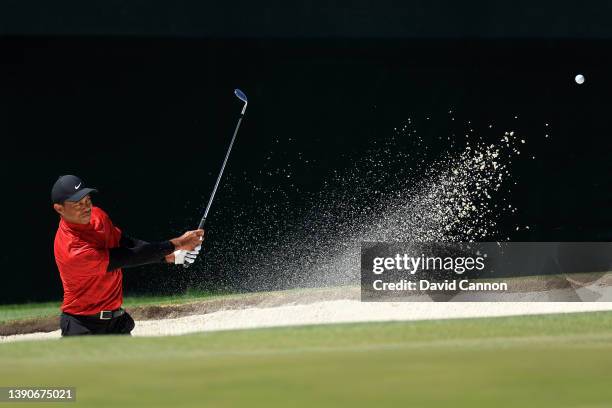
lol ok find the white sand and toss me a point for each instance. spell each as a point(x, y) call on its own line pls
point(338, 311)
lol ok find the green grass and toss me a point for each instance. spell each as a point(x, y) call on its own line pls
point(43, 309)
point(28, 310)
point(532, 361)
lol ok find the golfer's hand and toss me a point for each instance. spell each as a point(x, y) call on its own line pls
point(189, 240)
point(181, 256)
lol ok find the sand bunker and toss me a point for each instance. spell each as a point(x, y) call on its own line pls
point(337, 311)
point(339, 305)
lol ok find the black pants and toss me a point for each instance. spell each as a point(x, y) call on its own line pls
point(72, 325)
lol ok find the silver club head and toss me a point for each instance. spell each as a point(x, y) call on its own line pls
point(243, 98)
point(240, 95)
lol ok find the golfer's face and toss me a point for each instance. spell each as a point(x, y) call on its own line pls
point(78, 212)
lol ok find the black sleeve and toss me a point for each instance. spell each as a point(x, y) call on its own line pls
point(134, 252)
point(130, 242)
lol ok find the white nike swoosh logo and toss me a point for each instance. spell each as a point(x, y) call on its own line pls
point(77, 187)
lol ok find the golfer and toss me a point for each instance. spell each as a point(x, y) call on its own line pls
point(90, 252)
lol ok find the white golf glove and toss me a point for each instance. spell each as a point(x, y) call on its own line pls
point(181, 256)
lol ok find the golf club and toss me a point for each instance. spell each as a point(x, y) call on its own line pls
point(243, 98)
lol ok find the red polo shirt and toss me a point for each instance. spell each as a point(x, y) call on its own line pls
point(81, 254)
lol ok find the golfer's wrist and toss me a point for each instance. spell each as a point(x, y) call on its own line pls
point(167, 247)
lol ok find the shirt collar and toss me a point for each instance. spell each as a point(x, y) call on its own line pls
point(76, 227)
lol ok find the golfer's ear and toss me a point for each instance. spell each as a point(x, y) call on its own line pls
point(58, 208)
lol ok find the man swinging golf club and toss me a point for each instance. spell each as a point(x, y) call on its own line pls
point(90, 253)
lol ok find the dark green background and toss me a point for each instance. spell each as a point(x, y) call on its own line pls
point(146, 118)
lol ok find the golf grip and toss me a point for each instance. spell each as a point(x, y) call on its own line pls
point(202, 222)
point(200, 226)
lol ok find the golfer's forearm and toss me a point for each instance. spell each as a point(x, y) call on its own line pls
point(127, 241)
point(147, 253)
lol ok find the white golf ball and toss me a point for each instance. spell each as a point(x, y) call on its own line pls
point(579, 79)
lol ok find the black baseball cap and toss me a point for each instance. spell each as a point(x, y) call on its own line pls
point(69, 188)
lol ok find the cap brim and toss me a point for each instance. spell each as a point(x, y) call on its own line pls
point(80, 194)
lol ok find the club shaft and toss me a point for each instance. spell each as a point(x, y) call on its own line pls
point(212, 195)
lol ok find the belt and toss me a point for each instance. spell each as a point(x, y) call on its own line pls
point(105, 314)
